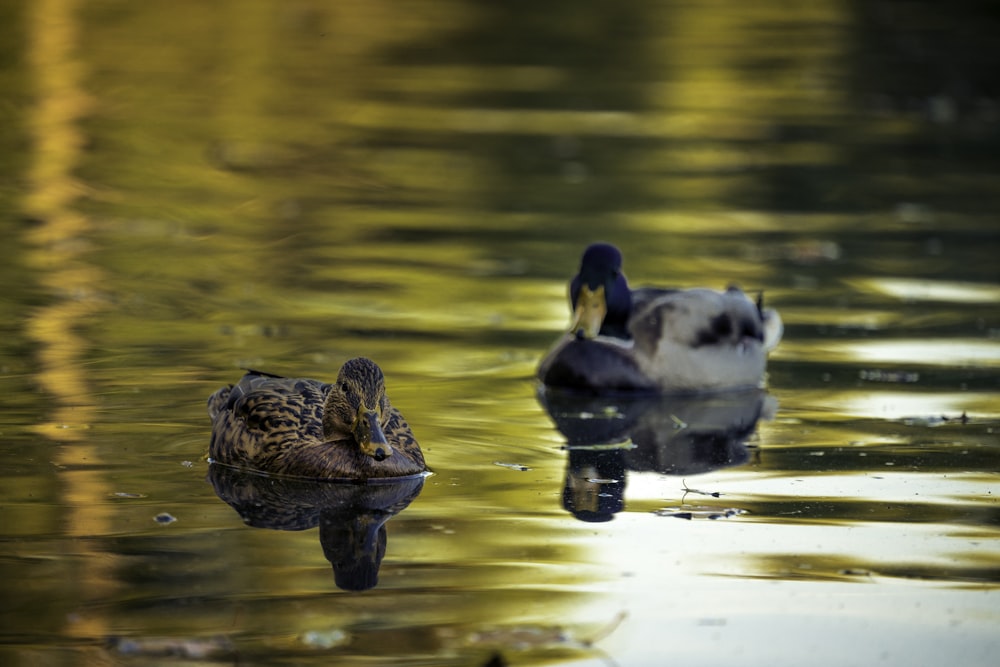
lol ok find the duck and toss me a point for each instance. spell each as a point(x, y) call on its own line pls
point(657, 340)
point(299, 427)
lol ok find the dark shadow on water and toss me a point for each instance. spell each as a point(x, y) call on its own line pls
point(607, 437)
point(351, 517)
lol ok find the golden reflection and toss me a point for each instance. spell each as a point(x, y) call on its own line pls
point(941, 352)
point(351, 517)
point(59, 238)
point(868, 562)
point(267, 251)
point(59, 242)
point(948, 291)
point(715, 94)
point(912, 405)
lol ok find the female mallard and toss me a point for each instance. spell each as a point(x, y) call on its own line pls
point(657, 340)
point(307, 428)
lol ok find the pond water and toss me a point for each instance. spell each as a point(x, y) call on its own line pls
point(190, 188)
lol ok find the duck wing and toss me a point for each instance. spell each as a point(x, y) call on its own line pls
point(272, 403)
point(599, 365)
point(695, 318)
point(401, 437)
point(262, 415)
point(700, 340)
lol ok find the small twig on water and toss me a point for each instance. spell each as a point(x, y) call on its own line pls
point(687, 490)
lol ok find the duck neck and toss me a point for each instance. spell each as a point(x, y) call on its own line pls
point(619, 304)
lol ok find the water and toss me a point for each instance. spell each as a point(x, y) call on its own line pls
point(192, 188)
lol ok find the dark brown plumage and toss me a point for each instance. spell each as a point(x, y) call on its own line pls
point(307, 428)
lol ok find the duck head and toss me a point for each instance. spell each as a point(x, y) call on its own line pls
point(600, 294)
point(357, 408)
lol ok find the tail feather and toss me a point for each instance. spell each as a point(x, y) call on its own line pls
point(774, 328)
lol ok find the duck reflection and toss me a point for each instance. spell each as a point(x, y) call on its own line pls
point(351, 516)
point(670, 435)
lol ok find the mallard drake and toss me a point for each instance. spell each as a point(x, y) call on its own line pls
point(657, 340)
point(307, 428)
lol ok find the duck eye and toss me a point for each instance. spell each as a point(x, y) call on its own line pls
point(344, 387)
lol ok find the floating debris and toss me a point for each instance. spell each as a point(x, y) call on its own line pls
point(689, 513)
point(893, 377)
point(687, 490)
point(164, 518)
point(625, 444)
point(325, 638)
point(856, 572)
point(936, 421)
point(512, 466)
point(126, 494)
point(608, 412)
point(195, 648)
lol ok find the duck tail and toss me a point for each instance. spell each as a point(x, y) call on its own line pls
point(774, 328)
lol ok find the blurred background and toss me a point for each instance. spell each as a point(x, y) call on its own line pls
point(192, 188)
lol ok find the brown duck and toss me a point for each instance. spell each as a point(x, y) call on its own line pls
point(307, 428)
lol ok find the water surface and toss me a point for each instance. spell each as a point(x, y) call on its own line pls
point(189, 189)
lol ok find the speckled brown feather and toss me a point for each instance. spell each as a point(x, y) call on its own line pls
point(301, 427)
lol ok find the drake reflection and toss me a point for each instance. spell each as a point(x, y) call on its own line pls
point(351, 516)
point(670, 435)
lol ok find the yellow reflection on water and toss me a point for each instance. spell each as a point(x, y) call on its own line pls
point(947, 352)
point(912, 405)
point(59, 237)
point(338, 277)
point(930, 290)
point(59, 249)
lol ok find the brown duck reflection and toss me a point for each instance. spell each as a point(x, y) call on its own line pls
point(606, 437)
point(351, 516)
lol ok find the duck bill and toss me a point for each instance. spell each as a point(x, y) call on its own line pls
point(370, 436)
point(591, 307)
